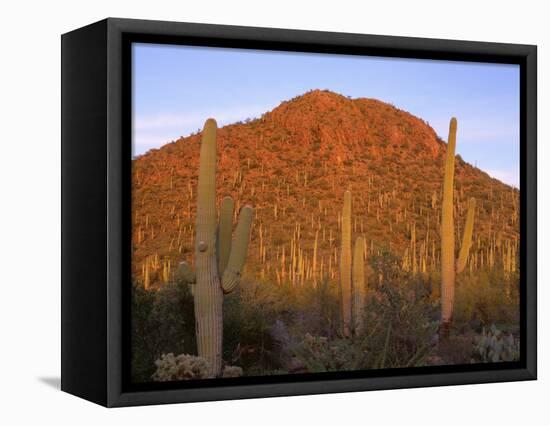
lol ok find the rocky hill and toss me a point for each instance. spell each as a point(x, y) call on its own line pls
point(293, 165)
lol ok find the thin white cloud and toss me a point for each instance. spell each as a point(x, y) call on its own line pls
point(153, 131)
point(144, 143)
point(476, 130)
point(184, 120)
point(510, 177)
point(163, 121)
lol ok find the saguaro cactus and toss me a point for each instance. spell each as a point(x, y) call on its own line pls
point(218, 260)
point(358, 283)
point(352, 282)
point(345, 265)
point(449, 266)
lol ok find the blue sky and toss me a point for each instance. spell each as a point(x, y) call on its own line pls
point(177, 87)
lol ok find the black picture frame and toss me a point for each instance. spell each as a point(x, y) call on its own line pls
point(96, 156)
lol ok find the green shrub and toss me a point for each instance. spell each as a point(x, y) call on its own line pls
point(162, 322)
point(400, 324)
point(485, 298)
point(249, 314)
point(318, 354)
point(400, 320)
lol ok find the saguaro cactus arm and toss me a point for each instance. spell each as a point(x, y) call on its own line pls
point(467, 237)
point(225, 229)
point(232, 274)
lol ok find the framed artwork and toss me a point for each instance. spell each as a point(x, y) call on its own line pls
point(253, 212)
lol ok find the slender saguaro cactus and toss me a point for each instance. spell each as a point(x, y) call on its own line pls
point(358, 283)
point(352, 281)
point(345, 265)
point(218, 260)
point(450, 267)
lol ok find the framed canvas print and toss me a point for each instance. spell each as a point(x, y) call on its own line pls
point(253, 212)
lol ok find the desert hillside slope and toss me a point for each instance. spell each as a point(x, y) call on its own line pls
point(293, 165)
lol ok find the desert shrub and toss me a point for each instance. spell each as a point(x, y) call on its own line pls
point(328, 303)
point(399, 326)
point(322, 184)
point(486, 297)
point(249, 314)
point(317, 354)
point(495, 346)
point(141, 328)
point(162, 322)
point(400, 321)
point(173, 312)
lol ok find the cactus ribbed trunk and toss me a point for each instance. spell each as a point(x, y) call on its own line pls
point(208, 295)
point(345, 266)
point(449, 266)
point(447, 231)
point(358, 284)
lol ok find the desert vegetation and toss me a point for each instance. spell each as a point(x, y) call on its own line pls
point(348, 260)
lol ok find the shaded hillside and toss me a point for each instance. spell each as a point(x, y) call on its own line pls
point(293, 165)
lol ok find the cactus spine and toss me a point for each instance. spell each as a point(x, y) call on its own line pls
point(218, 260)
point(352, 281)
point(449, 266)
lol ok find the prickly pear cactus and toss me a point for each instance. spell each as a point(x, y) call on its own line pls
point(495, 346)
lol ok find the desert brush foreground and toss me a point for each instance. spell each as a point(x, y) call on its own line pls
point(330, 234)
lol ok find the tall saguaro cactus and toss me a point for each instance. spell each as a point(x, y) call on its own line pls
point(345, 265)
point(352, 282)
point(218, 260)
point(449, 266)
point(358, 283)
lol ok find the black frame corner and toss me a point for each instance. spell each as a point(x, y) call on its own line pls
point(96, 165)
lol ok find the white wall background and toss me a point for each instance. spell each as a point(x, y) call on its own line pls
point(30, 211)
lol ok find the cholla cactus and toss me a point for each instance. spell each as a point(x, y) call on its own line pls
point(218, 259)
point(449, 266)
point(181, 367)
point(232, 371)
point(494, 346)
